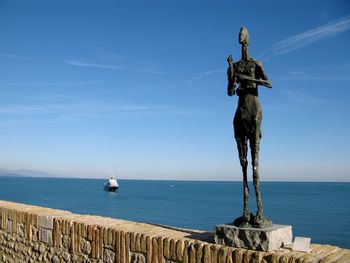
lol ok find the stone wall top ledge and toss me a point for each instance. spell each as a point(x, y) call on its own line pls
point(108, 239)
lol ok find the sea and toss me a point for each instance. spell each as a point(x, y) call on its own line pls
point(320, 211)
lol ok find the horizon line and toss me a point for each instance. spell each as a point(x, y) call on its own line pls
point(15, 175)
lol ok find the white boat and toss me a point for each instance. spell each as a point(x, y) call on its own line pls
point(112, 184)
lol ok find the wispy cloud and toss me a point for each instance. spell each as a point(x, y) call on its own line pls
point(32, 109)
point(93, 108)
point(206, 73)
point(300, 74)
point(297, 100)
point(308, 37)
point(52, 113)
point(58, 112)
point(310, 77)
point(322, 72)
point(299, 97)
point(15, 56)
point(91, 65)
point(150, 70)
point(113, 67)
point(50, 84)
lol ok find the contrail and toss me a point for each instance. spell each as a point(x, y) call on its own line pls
point(308, 37)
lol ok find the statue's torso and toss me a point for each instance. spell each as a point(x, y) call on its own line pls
point(248, 116)
point(248, 68)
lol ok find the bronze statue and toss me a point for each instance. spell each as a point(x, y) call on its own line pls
point(248, 73)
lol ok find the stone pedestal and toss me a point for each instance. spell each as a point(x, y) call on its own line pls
point(263, 239)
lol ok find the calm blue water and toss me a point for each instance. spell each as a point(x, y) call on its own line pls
point(317, 210)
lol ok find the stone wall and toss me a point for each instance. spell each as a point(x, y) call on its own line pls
point(36, 234)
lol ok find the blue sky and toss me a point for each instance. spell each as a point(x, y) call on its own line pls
point(88, 88)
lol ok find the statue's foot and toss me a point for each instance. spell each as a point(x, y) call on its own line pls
point(260, 221)
point(244, 221)
point(247, 216)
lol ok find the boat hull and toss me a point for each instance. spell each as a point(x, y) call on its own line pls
point(111, 188)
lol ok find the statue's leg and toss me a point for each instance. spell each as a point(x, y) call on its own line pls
point(254, 147)
point(242, 152)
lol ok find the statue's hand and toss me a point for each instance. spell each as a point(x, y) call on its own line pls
point(263, 82)
point(267, 84)
point(241, 77)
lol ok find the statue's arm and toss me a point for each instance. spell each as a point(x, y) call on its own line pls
point(260, 74)
point(262, 82)
point(231, 86)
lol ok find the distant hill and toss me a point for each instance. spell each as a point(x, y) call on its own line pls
point(26, 173)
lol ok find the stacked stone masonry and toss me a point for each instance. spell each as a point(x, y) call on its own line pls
point(36, 234)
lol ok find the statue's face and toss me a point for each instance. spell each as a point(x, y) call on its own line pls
point(243, 36)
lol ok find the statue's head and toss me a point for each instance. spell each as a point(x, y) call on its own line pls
point(243, 36)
